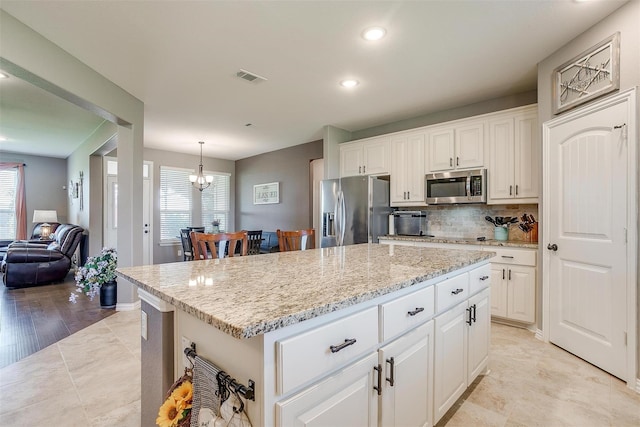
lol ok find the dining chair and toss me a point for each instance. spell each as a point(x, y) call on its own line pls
point(296, 240)
point(255, 240)
point(187, 249)
point(218, 245)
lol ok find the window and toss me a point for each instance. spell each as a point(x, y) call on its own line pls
point(8, 182)
point(175, 201)
point(215, 202)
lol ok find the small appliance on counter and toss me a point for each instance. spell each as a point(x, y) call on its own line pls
point(410, 223)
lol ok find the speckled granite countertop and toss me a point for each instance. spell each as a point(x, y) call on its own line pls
point(463, 241)
point(252, 295)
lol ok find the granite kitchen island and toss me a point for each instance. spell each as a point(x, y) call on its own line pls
point(322, 333)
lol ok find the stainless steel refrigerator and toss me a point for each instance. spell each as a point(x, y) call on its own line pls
point(353, 210)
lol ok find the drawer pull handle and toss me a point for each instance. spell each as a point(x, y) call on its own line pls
point(483, 278)
point(416, 311)
point(392, 368)
point(507, 256)
point(378, 388)
point(469, 321)
point(346, 343)
point(456, 291)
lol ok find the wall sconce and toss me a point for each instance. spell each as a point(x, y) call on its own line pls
point(45, 217)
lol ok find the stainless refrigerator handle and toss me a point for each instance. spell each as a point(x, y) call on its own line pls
point(468, 186)
point(337, 219)
point(343, 219)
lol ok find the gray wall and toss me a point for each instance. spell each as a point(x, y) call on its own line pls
point(626, 20)
point(164, 254)
point(44, 179)
point(289, 167)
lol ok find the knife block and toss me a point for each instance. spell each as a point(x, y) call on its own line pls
point(532, 236)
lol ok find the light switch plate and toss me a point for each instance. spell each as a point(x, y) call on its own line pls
point(143, 324)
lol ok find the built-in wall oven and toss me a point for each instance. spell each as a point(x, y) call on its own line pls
point(468, 186)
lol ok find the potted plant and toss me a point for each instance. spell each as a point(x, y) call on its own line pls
point(98, 277)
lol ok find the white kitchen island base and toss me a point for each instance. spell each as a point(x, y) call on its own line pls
point(394, 358)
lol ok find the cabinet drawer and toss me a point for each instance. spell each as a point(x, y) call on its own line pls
point(513, 256)
point(451, 292)
point(479, 278)
point(405, 312)
point(317, 352)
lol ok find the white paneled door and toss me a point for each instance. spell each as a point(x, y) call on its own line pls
point(586, 220)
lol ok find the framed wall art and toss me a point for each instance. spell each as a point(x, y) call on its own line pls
point(264, 194)
point(589, 75)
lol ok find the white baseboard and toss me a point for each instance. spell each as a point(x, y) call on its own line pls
point(128, 306)
point(539, 334)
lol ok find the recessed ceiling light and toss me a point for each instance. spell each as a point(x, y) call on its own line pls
point(374, 33)
point(349, 83)
point(2, 138)
point(3, 75)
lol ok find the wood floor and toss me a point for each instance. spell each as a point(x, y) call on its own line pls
point(36, 317)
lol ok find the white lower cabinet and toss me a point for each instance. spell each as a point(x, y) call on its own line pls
point(417, 369)
point(462, 337)
point(514, 292)
point(407, 363)
point(346, 398)
point(513, 284)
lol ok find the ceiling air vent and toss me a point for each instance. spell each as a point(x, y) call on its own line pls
point(249, 76)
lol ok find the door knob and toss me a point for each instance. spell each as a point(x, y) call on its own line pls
point(553, 247)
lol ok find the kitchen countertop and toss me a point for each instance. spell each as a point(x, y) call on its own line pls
point(252, 295)
point(463, 241)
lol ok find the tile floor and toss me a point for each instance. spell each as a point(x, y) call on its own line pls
point(92, 378)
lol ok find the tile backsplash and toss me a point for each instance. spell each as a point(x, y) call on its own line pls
point(468, 220)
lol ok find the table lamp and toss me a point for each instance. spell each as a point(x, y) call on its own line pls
point(45, 217)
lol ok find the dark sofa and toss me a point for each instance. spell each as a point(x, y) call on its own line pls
point(33, 262)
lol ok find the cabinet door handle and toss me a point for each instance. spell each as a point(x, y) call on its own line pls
point(346, 343)
point(451, 161)
point(468, 321)
point(503, 274)
point(359, 169)
point(408, 195)
point(511, 190)
point(364, 170)
point(516, 189)
point(457, 161)
point(474, 313)
point(509, 274)
point(404, 195)
point(378, 388)
point(456, 291)
point(416, 311)
point(483, 278)
point(392, 368)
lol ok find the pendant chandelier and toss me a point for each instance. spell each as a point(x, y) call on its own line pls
point(201, 181)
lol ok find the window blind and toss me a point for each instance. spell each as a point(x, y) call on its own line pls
point(175, 201)
point(215, 202)
point(8, 182)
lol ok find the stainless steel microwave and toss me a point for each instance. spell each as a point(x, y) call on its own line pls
point(453, 187)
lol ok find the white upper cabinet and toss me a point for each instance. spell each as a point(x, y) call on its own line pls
point(407, 170)
point(367, 157)
point(514, 158)
point(456, 147)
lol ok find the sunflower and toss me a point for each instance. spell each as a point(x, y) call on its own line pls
point(183, 395)
point(169, 414)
